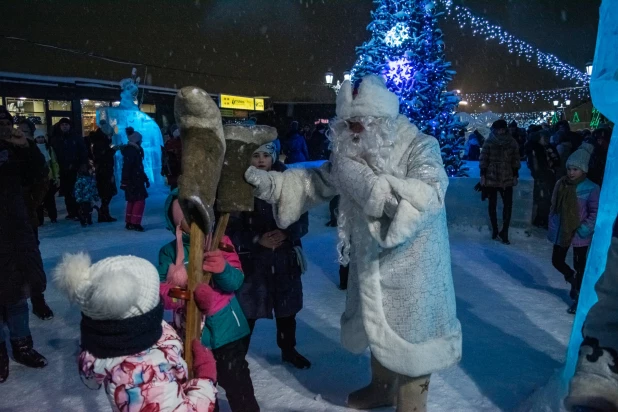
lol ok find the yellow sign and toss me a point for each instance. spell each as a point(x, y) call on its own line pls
point(236, 102)
point(259, 104)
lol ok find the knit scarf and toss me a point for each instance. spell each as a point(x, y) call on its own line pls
point(122, 337)
point(568, 209)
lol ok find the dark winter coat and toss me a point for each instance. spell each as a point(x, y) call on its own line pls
point(295, 149)
point(104, 162)
point(500, 161)
point(134, 177)
point(35, 179)
point(70, 151)
point(596, 169)
point(22, 273)
point(173, 156)
point(272, 278)
point(319, 146)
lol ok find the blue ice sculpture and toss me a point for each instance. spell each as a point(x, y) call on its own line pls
point(128, 114)
point(604, 91)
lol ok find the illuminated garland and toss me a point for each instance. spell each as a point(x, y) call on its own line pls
point(569, 93)
point(523, 119)
point(484, 28)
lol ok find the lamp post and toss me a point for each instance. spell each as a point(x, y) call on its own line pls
point(589, 68)
point(562, 106)
point(330, 77)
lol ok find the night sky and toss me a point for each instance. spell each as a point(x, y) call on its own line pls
point(277, 48)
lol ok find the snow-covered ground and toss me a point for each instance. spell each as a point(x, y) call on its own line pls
point(511, 303)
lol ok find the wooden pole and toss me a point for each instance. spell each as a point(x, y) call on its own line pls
point(195, 274)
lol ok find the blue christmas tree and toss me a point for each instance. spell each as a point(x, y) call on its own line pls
point(406, 47)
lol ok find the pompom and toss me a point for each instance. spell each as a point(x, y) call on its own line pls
point(177, 275)
point(72, 273)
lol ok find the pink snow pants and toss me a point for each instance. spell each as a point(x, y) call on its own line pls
point(135, 212)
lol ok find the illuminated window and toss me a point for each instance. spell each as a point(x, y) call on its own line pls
point(31, 109)
point(60, 105)
point(149, 108)
point(89, 114)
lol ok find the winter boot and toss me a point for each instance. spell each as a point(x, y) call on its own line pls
point(382, 391)
point(129, 226)
point(4, 363)
point(595, 384)
point(40, 308)
point(572, 310)
point(24, 354)
point(412, 394)
point(504, 237)
point(572, 280)
point(294, 358)
point(138, 228)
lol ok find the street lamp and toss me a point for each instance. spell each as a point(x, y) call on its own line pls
point(556, 103)
point(330, 77)
point(568, 102)
point(589, 68)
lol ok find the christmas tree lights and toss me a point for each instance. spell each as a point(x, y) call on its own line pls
point(406, 47)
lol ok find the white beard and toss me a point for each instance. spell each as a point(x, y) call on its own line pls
point(371, 147)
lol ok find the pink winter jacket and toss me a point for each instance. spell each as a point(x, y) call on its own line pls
point(154, 380)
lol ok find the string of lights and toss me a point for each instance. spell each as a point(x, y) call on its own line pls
point(483, 27)
point(523, 119)
point(530, 96)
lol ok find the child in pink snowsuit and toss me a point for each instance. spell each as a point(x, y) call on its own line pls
point(225, 327)
point(126, 345)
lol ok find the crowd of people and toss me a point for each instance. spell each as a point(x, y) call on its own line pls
point(258, 266)
point(568, 171)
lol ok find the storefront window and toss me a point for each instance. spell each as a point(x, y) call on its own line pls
point(61, 105)
point(26, 108)
point(89, 114)
point(149, 108)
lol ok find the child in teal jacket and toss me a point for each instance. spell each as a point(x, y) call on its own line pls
point(225, 328)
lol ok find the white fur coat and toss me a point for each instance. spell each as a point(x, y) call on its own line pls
point(401, 300)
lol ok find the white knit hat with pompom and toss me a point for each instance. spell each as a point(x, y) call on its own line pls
point(118, 287)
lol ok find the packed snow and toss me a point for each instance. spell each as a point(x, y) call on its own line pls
point(511, 303)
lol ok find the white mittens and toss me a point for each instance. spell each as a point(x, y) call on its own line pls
point(353, 178)
point(264, 184)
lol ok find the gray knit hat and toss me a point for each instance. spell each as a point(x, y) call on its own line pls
point(268, 148)
point(581, 157)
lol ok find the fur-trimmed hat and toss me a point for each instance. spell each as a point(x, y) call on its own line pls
point(118, 287)
point(581, 157)
point(372, 99)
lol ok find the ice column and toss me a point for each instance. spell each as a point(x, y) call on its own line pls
point(604, 91)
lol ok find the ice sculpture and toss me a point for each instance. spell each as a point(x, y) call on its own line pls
point(604, 92)
point(127, 114)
